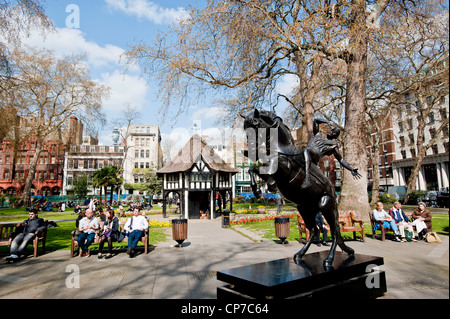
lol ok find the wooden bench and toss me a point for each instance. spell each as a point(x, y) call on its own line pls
point(383, 231)
point(9, 231)
point(302, 227)
point(75, 249)
point(347, 223)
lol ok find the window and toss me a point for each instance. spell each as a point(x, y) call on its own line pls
point(411, 139)
point(434, 149)
point(201, 177)
point(400, 127)
point(431, 117)
point(402, 141)
point(445, 131)
point(147, 153)
point(410, 124)
point(432, 132)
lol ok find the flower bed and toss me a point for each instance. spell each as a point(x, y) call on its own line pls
point(153, 223)
point(159, 224)
point(249, 220)
point(129, 214)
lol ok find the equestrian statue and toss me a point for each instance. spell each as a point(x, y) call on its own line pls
point(294, 172)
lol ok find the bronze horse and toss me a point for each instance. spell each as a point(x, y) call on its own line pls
point(280, 163)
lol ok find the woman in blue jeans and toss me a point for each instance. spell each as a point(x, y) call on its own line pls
point(388, 222)
point(135, 227)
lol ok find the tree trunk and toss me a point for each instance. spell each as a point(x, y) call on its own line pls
point(420, 153)
point(354, 196)
point(31, 174)
point(308, 85)
point(375, 174)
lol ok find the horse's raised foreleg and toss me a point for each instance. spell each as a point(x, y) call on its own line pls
point(256, 190)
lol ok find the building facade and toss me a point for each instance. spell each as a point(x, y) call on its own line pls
point(85, 159)
point(200, 179)
point(143, 152)
point(434, 173)
point(15, 167)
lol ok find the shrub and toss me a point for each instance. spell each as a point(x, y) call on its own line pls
point(413, 196)
point(386, 199)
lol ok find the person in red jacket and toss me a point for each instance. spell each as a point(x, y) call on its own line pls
point(402, 220)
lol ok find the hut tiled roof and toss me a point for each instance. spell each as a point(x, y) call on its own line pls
point(189, 154)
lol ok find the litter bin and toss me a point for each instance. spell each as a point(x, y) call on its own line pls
point(282, 228)
point(179, 230)
point(225, 218)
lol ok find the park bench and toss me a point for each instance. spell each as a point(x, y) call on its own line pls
point(302, 227)
point(9, 231)
point(347, 223)
point(75, 249)
point(383, 231)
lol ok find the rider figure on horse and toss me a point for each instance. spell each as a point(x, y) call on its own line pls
point(319, 147)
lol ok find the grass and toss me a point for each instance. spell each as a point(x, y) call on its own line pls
point(58, 238)
point(266, 229)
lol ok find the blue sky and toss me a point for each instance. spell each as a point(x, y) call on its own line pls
point(105, 29)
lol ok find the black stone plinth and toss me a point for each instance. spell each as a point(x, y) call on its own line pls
point(350, 277)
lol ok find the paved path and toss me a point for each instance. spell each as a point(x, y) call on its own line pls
point(413, 270)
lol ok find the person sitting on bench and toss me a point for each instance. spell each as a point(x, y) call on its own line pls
point(32, 226)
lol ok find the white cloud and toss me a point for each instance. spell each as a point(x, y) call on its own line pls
point(125, 89)
point(148, 10)
point(71, 41)
point(287, 84)
point(208, 113)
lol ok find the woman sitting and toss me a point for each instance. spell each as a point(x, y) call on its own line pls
point(110, 230)
point(388, 222)
point(422, 220)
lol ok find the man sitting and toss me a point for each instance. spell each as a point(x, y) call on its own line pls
point(135, 228)
point(401, 220)
point(32, 226)
point(88, 227)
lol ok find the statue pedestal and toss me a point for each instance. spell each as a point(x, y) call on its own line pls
point(351, 277)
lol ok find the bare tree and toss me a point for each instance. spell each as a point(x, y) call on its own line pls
point(127, 117)
point(413, 63)
point(49, 91)
point(243, 48)
point(17, 18)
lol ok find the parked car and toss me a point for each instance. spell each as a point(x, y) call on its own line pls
point(442, 199)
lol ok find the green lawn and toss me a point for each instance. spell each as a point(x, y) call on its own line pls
point(58, 238)
point(267, 229)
